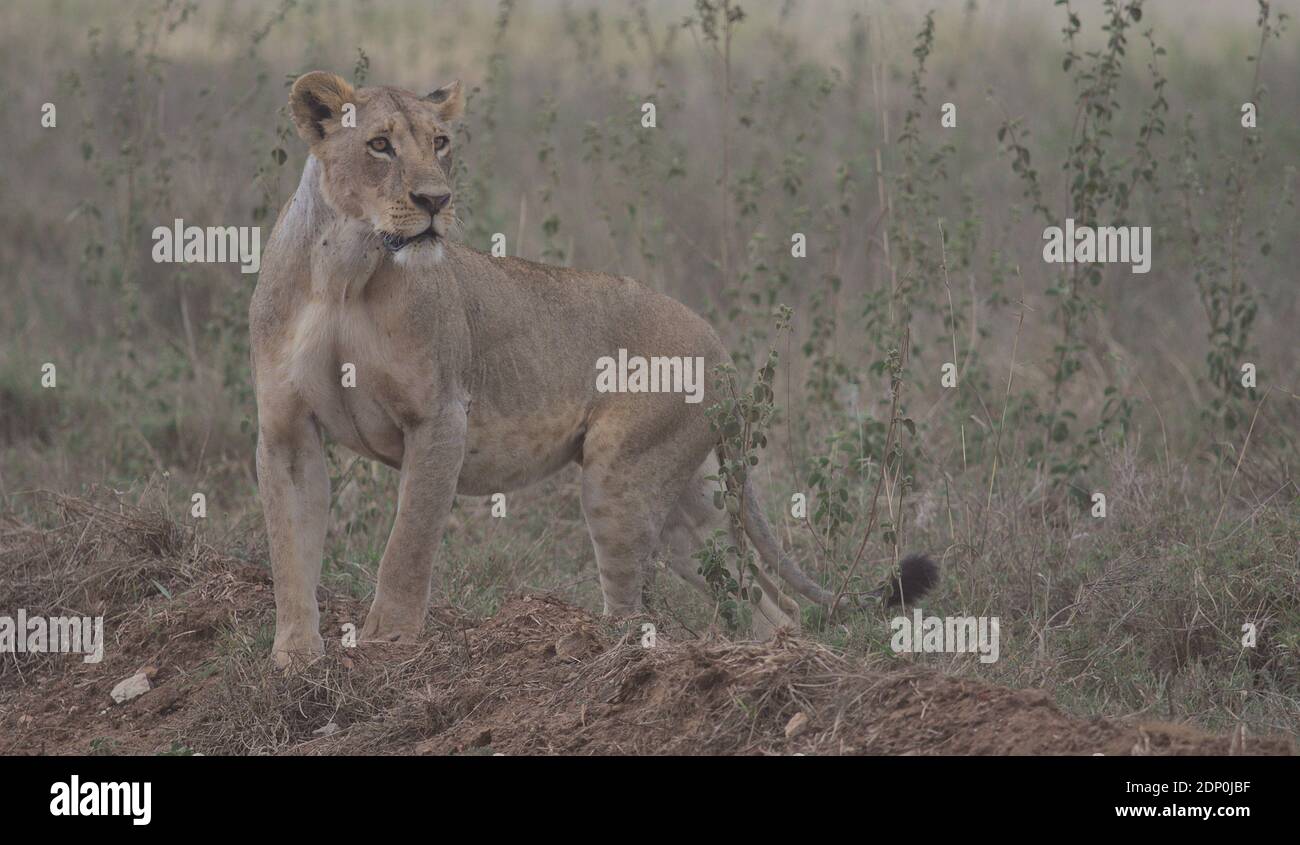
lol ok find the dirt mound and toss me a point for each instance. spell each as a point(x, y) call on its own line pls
point(544, 677)
point(539, 677)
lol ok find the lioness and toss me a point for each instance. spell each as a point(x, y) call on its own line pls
point(473, 375)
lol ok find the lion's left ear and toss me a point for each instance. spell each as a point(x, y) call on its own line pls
point(316, 103)
point(450, 100)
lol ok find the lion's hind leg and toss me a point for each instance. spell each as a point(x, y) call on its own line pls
point(692, 522)
point(628, 493)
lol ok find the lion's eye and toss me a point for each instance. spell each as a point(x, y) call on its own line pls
point(440, 143)
point(381, 145)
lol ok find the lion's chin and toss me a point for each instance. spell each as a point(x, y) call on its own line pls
point(396, 243)
point(419, 252)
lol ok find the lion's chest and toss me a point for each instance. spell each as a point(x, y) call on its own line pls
point(365, 383)
point(336, 361)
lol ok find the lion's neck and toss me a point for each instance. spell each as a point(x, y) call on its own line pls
point(306, 212)
point(317, 250)
point(286, 261)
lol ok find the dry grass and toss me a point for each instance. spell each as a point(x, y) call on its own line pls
point(539, 676)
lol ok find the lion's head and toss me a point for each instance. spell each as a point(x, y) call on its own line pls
point(386, 154)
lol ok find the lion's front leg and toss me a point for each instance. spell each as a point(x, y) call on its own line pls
point(294, 486)
point(431, 461)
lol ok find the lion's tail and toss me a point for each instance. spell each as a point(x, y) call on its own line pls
point(917, 574)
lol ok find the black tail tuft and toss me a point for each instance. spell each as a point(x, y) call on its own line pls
point(917, 575)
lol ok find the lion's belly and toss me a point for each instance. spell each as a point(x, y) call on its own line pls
point(504, 452)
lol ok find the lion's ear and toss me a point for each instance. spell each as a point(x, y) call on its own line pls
point(450, 100)
point(316, 102)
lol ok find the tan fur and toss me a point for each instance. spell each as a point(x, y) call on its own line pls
point(475, 375)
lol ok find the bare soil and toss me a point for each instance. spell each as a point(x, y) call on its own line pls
point(538, 677)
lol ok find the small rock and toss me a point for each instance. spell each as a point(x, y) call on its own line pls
point(797, 724)
point(132, 687)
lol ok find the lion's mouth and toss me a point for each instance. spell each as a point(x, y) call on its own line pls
point(394, 242)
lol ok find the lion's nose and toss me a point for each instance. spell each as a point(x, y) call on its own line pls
point(432, 203)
